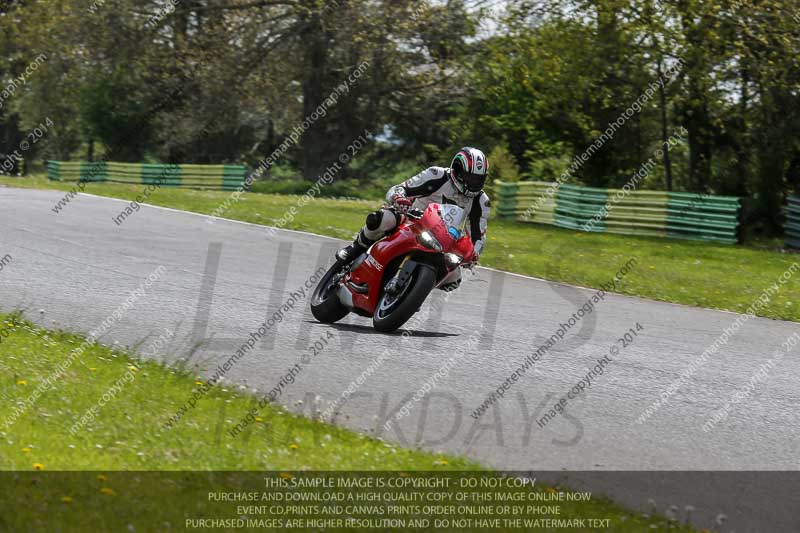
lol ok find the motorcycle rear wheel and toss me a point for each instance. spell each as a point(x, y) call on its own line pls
point(390, 315)
point(325, 304)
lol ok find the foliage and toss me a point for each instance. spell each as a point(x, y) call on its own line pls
point(228, 81)
point(113, 116)
point(504, 165)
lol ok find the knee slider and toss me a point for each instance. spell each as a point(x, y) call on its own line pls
point(374, 220)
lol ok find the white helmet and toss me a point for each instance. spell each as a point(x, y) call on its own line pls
point(468, 170)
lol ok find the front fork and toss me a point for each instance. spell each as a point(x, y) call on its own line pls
point(399, 280)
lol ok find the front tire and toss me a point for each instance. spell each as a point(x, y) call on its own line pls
point(325, 304)
point(392, 312)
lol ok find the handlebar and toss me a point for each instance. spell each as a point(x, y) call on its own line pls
point(412, 213)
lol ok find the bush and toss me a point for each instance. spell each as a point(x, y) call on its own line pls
point(503, 165)
point(549, 168)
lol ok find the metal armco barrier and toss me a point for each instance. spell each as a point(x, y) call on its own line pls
point(223, 177)
point(651, 213)
point(793, 222)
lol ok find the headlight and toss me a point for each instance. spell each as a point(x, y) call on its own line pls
point(427, 240)
point(453, 260)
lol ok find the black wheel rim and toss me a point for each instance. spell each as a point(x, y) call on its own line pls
point(329, 288)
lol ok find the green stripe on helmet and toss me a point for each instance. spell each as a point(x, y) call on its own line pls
point(464, 159)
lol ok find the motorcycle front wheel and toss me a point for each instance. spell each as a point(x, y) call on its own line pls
point(393, 310)
point(325, 304)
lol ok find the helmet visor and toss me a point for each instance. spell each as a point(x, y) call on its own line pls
point(474, 182)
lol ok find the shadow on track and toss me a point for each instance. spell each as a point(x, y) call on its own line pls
point(368, 329)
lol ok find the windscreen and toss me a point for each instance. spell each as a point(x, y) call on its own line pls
point(453, 215)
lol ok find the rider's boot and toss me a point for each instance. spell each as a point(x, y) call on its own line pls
point(359, 246)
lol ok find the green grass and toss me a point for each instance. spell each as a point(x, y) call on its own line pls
point(686, 272)
point(128, 434)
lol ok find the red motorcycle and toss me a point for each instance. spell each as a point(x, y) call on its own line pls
point(392, 279)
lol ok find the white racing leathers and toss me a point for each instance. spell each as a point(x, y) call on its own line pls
point(434, 185)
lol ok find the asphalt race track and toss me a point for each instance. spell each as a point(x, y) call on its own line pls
point(221, 280)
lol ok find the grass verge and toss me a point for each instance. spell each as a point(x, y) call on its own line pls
point(686, 272)
point(128, 433)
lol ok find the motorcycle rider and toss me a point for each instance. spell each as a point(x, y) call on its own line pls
point(461, 184)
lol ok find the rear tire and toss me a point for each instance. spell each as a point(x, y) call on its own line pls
point(325, 304)
point(420, 286)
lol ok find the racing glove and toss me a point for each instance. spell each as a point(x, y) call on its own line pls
point(402, 204)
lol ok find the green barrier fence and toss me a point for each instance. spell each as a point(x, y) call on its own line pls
point(793, 222)
point(221, 177)
point(650, 213)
